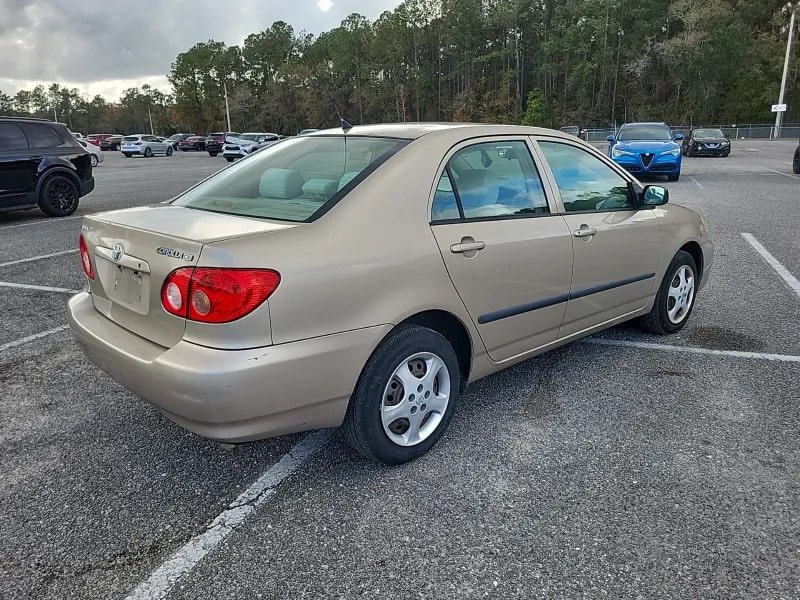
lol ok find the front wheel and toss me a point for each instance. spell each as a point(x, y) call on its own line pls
point(674, 177)
point(675, 298)
point(59, 196)
point(405, 397)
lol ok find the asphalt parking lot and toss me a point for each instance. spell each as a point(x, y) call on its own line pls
point(625, 466)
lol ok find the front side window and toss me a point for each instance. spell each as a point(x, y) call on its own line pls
point(492, 179)
point(42, 136)
point(11, 137)
point(585, 182)
point(293, 180)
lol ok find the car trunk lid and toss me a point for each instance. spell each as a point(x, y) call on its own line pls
point(135, 250)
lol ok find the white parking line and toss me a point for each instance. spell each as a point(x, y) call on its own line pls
point(35, 258)
point(693, 350)
point(784, 174)
point(163, 579)
point(773, 262)
point(40, 222)
point(697, 183)
point(30, 338)
point(37, 288)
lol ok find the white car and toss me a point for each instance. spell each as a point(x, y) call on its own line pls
point(97, 156)
point(144, 145)
point(247, 143)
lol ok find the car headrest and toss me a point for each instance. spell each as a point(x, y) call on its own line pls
point(282, 184)
point(478, 187)
point(321, 189)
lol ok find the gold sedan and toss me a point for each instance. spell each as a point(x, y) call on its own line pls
point(361, 278)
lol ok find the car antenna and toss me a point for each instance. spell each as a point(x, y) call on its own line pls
point(343, 123)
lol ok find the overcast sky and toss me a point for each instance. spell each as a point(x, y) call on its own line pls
point(106, 46)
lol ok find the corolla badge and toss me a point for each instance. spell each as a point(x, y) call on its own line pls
point(117, 252)
point(175, 253)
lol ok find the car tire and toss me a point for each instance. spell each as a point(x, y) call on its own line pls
point(169, 151)
point(674, 289)
point(148, 153)
point(796, 162)
point(127, 154)
point(367, 427)
point(213, 154)
point(94, 161)
point(229, 158)
point(674, 177)
point(58, 196)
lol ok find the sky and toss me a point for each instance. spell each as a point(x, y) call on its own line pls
point(106, 46)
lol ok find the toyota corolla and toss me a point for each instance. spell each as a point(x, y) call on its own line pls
point(361, 278)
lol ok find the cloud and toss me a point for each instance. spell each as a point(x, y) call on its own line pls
point(113, 44)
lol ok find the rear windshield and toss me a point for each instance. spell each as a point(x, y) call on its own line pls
point(644, 133)
point(130, 139)
point(294, 180)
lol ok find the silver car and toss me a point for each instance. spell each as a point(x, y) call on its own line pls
point(145, 145)
point(247, 143)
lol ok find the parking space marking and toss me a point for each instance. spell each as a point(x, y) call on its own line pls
point(35, 258)
point(40, 222)
point(37, 288)
point(164, 578)
point(784, 174)
point(697, 183)
point(693, 350)
point(773, 262)
point(31, 338)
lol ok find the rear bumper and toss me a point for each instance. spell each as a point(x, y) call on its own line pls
point(87, 186)
point(231, 395)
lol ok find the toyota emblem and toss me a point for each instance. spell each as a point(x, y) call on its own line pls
point(117, 252)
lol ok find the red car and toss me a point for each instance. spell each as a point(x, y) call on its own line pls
point(96, 138)
point(195, 142)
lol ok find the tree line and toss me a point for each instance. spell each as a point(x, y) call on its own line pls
point(540, 62)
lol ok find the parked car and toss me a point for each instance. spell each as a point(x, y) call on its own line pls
point(96, 155)
point(216, 141)
point(796, 161)
point(706, 142)
point(192, 143)
point(145, 145)
point(247, 143)
point(42, 164)
point(267, 299)
point(572, 130)
point(176, 138)
point(78, 135)
point(97, 138)
point(647, 149)
point(112, 142)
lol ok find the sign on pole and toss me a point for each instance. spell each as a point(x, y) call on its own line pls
point(778, 108)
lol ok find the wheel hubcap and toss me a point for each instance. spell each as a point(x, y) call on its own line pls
point(681, 295)
point(415, 399)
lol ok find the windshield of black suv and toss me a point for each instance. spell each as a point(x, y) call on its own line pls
point(295, 180)
point(657, 133)
point(708, 133)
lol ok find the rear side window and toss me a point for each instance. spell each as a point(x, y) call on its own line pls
point(41, 135)
point(490, 180)
point(11, 137)
point(295, 180)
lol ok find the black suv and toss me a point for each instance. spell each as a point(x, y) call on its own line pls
point(706, 142)
point(42, 164)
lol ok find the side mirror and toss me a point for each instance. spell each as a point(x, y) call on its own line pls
point(678, 137)
point(611, 139)
point(655, 195)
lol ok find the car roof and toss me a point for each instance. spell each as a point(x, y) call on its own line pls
point(412, 131)
point(32, 120)
point(648, 123)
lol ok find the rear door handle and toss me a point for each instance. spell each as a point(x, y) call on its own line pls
point(584, 231)
point(467, 247)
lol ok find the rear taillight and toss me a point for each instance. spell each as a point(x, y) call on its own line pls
point(217, 295)
point(86, 260)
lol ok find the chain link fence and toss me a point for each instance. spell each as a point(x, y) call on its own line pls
point(754, 131)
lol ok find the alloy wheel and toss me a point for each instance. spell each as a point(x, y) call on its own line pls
point(680, 295)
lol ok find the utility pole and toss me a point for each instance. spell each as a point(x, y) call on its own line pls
point(227, 108)
point(55, 116)
point(150, 116)
point(779, 115)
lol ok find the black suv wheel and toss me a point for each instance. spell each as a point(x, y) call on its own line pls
point(59, 196)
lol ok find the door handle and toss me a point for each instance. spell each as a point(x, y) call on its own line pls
point(584, 231)
point(467, 247)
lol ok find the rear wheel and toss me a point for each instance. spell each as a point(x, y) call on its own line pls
point(169, 151)
point(675, 298)
point(229, 158)
point(796, 163)
point(405, 397)
point(59, 196)
point(94, 160)
point(213, 154)
point(127, 154)
point(148, 153)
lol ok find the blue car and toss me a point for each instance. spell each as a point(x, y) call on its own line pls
point(647, 149)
